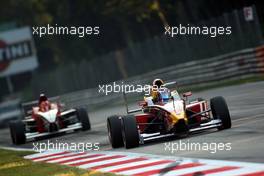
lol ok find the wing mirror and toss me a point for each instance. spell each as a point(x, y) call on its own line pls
point(187, 94)
point(142, 103)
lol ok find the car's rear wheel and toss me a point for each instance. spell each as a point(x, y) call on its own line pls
point(114, 131)
point(17, 131)
point(130, 131)
point(220, 111)
point(83, 118)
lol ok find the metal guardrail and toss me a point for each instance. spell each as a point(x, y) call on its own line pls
point(232, 66)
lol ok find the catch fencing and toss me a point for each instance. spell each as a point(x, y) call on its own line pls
point(156, 53)
point(238, 65)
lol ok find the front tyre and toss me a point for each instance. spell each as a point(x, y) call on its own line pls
point(130, 131)
point(115, 131)
point(17, 131)
point(83, 118)
point(220, 111)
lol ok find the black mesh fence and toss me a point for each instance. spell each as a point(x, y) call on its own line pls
point(158, 52)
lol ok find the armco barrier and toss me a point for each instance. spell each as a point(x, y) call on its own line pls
point(260, 57)
point(232, 66)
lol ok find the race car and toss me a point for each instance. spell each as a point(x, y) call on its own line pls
point(177, 117)
point(43, 118)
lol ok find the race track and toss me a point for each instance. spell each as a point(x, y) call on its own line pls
point(246, 104)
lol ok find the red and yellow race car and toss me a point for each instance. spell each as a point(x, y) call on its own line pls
point(175, 116)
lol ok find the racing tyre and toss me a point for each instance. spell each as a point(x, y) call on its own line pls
point(114, 131)
point(130, 131)
point(17, 131)
point(220, 111)
point(84, 119)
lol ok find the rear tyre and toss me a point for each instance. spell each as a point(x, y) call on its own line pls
point(17, 131)
point(84, 119)
point(130, 131)
point(115, 131)
point(220, 111)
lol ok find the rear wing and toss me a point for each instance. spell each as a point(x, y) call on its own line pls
point(130, 111)
point(26, 107)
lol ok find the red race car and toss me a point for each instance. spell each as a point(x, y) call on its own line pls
point(174, 116)
point(43, 118)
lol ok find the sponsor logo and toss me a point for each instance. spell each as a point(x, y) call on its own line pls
point(13, 51)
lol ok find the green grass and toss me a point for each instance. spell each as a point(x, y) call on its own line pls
point(12, 163)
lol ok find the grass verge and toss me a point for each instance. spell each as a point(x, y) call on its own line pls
point(12, 163)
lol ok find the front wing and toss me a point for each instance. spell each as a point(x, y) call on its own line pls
point(205, 126)
point(75, 126)
point(72, 127)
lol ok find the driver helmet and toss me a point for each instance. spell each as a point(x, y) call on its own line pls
point(42, 97)
point(158, 82)
point(163, 93)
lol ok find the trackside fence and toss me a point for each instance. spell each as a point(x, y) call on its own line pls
point(233, 66)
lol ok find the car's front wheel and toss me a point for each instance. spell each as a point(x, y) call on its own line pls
point(130, 131)
point(114, 131)
point(17, 131)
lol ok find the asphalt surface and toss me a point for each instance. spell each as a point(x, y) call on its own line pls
point(245, 139)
